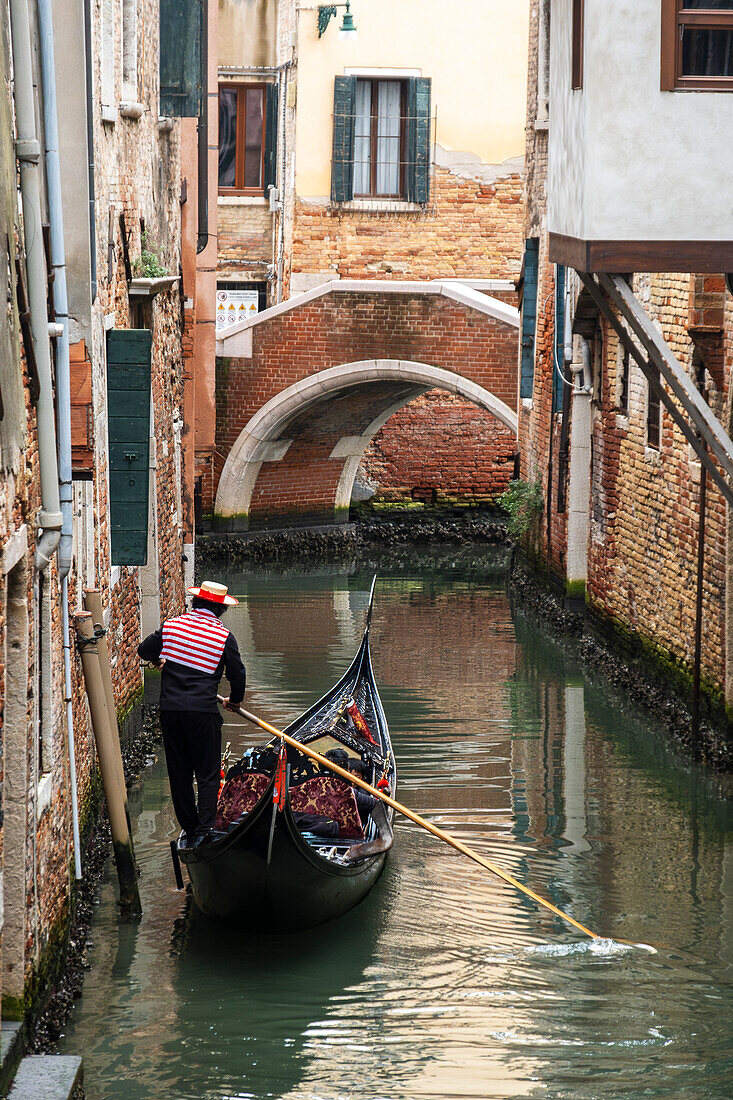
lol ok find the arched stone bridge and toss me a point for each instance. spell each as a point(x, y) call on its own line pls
point(303, 388)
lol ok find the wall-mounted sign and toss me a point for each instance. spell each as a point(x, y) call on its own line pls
point(233, 306)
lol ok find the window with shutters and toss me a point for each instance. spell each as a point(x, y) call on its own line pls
point(82, 419)
point(381, 139)
point(697, 45)
point(578, 39)
point(528, 291)
point(247, 138)
point(181, 59)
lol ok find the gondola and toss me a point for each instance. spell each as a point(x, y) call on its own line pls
point(291, 849)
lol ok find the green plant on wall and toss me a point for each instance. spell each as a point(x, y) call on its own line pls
point(148, 265)
point(524, 503)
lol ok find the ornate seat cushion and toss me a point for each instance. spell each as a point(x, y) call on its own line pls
point(238, 796)
point(331, 797)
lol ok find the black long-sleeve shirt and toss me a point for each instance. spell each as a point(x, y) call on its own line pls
point(186, 688)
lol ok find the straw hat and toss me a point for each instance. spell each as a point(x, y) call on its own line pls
point(213, 592)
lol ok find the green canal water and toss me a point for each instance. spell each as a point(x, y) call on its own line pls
point(443, 983)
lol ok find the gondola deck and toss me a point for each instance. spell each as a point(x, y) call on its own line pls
point(266, 872)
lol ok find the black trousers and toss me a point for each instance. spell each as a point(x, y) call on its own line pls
point(192, 742)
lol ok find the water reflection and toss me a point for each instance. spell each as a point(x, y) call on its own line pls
point(443, 983)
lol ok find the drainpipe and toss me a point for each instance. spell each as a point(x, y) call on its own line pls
point(90, 146)
point(58, 266)
point(63, 378)
point(28, 152)
point(202, 135)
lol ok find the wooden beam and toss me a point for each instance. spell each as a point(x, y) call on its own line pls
point(676, 377)
point(652, 371)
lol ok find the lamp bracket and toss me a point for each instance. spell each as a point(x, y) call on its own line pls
point(326, 13)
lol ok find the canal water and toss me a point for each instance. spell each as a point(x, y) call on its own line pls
point(444, 983)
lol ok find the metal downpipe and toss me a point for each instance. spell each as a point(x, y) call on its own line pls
point(63, 381)
point(58, 265)
point(28, 153)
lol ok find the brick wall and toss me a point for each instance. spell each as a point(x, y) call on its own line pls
point(336, 329)
point(440, 448)
point(471, 229)
point(244, 238)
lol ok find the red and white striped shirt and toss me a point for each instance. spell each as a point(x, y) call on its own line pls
point(195, 639)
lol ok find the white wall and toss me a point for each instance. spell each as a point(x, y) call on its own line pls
point(627, 160)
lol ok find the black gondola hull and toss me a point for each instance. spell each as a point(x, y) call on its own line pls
point(234, 882)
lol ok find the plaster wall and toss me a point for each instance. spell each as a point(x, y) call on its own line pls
point(248, 32)
point(627, 160)
point(478, 78)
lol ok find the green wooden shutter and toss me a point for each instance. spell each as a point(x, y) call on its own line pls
point(270, 174)
point(417, 140)
point(342, 157)
point(181, 57)
point(128, 415)
point(559, 364)
point(529, 317)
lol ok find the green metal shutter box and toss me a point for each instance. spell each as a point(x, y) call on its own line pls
point(529, 316)
point(342, 156)
point(128, 413)
point(181, 57)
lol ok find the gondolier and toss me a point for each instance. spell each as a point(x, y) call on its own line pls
point(194, 650)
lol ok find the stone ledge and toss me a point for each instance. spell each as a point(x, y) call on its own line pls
point(51, 1076)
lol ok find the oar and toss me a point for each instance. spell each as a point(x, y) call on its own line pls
point(459, 847)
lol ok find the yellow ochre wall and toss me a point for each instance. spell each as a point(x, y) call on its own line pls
point(475, 52)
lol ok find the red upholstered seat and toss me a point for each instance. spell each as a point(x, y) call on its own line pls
point(238, 796)
point(331, 797)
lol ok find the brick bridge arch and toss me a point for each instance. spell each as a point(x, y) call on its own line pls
point(295, 413)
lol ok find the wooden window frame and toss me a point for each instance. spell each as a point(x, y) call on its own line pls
point(674, 19)
point(374, 138)
point(241, 90)
point(578, 36)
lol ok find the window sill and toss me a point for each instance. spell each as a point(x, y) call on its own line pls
point(109, 114)
point(379, 206)
point(243, 200)
point(652, 456)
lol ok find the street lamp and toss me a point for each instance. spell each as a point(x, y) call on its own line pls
point(348, 31)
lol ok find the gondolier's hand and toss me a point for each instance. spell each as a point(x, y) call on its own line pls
point(227, 705)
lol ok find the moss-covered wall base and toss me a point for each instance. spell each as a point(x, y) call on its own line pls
point(641, 667)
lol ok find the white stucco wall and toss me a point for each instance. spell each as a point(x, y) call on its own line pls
point(627, 160)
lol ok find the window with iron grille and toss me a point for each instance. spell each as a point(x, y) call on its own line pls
point(697, 45)
point(381, 139)
point(653, 417)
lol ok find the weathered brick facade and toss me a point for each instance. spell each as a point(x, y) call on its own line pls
point(644, 497)
point(137, 188)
